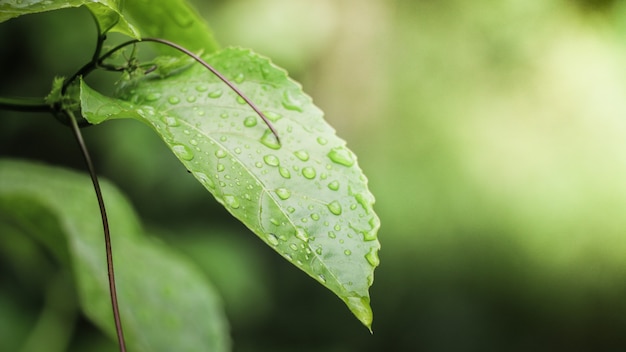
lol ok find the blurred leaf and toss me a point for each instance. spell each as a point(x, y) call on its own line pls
point(305, 197)
point(174, 20)
point(106, 12)
point(149, 275)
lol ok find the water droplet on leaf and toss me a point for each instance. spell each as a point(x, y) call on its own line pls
point(272, 116)
point(231, 201)
point(272, 239)
point(334, 185)
point(250, 121)
point(269, 140)
point(335, 207)
point(153, 96)
point(173, 100)
point(183, 152)
point(271, 160)
point(216, 94)
point(284, 172)
point(309, 172)
point(372, 257)
point(341, 156)
point(220, 153)
point(283, 193)
point(291, 102)
point(347, 252)
point(302, 155)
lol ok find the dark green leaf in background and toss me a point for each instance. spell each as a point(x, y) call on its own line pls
point(108, 13)
point(305, 197)
point(166, 303)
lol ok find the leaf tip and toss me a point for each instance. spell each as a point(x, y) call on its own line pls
point(360, 307)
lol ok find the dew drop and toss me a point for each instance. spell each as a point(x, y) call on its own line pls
point(271, 160)
point(315, 216)
point(205, 180)
point(335, 207)
point(191, 99)
point(269, 140)
point(182, 151)
point(302, 235)
point(369, 236)
point(291, 209)
point(334, 185)
point(284, 172)
point(302, 155)
point(171, 121)
point(322, 278)
point(341, 156)
point(215, 94)
point(293, 246)
point(321, 141)
point(173, 100)
point(308, 172)
point(239, 78)
point(272, 116)
point(283, 193)
point(290, 102)
point(272, 239)
point(372, 257)
point(220, 153)
point(193, 142)
point(347, 252)
point(153, 96)
point(318, 251)
point(201, 88)
point(220, 167)
point(231, 201)
point(331, 234)
point(250, 121)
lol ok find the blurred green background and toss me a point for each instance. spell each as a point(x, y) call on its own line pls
point(493, 134)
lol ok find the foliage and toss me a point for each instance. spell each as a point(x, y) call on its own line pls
point(301, 191)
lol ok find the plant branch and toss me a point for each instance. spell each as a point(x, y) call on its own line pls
point(105, 225)
point(203, 63)
point(24, 104)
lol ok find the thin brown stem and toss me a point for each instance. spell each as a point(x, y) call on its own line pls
point(105, 225)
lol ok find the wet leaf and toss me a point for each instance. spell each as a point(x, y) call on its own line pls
point(306, 196)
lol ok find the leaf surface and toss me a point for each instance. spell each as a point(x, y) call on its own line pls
point(306, 196)
point(166, 303)
point(107, 13)
point(174, 20)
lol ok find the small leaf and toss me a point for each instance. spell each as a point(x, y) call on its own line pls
point(305, 196)
point(166, 303)
point(174, 20)
point(107, 13)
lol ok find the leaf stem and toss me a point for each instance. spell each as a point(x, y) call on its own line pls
point(105, 225)
point(203, 63)
point(24, 104)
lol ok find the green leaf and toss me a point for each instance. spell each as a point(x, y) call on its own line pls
point(305, 197)
point(106, 12)
point(166, 303)
point(174, 20)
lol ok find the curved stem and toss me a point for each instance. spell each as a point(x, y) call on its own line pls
point(24, 104)
point(105, 225)
point(203, 63)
